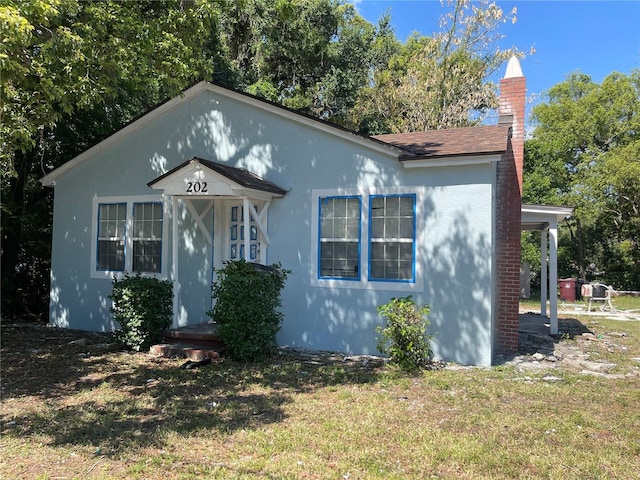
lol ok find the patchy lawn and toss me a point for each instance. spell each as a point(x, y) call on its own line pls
point(87, 410)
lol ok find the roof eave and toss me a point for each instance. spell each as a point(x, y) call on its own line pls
point(541, 214)
point(450, 160)
point(265, 187)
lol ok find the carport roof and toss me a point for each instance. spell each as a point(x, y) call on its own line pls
point(538, 217)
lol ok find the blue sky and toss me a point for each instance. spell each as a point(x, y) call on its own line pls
point(594, 37)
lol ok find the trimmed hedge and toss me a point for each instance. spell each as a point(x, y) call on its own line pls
point(247, 298)
point(143, 308)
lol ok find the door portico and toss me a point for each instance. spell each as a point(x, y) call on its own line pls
point(230, 208)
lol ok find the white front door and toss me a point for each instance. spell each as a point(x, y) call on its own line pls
point(237, 242)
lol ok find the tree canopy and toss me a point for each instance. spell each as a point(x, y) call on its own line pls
point(585, 153)
point(440, 81)
point(60, 57)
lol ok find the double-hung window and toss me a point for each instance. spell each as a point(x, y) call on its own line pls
point(147, 237)
point(112, 218)
point(367, 238)
point(339, 237)
point(128, 236)
point(392, 237)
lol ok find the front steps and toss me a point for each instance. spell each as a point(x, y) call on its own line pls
point(194, 342)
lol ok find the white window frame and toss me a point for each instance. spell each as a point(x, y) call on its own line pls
point(234, 215)
point(129, 200)
point(364, 282)
point(120, 236)
point(143, 239)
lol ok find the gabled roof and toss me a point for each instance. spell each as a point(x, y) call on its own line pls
point(240, 176)
point(452, 142)
point(198, 89)
point(459, 142)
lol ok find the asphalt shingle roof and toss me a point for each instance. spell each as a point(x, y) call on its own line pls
point(480, 140)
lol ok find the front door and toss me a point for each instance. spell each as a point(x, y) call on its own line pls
point(213, 221)
point(240, 247)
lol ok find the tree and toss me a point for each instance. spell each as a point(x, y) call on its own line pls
point(310, 55)
point(357, 48)
point(72, 72)
point(279, 49)
point(439, 81)
point(585, 153)
point(65, 55)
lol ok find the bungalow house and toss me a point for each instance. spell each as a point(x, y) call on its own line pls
point(215, 175)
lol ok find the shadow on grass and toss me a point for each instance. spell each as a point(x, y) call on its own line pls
point(94, 396)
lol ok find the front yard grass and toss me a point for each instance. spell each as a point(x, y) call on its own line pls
point(91, 411)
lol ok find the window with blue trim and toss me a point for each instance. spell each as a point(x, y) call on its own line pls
point(339, 227)
point(392, 236)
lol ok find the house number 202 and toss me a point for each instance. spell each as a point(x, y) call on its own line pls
point(197, 187)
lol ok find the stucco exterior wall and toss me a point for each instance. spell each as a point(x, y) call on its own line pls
point(454, 241)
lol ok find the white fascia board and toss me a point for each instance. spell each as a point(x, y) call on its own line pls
point(243, 192)
point(179, 181)
point(543, 213)
point(451, 161)
point(546, 209)
point(218, 184)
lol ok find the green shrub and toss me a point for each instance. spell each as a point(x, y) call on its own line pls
point(404, 339)
point(143, 308)
point(247, 298)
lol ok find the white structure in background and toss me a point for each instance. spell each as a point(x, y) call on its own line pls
point(545, 218)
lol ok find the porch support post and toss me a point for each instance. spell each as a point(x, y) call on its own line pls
point(543, 272)
point(261, 219)
point(246, 221)
point(553, 276)
point(174, 259)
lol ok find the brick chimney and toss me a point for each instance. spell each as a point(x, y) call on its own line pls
point(508, 205)
point(513, 96)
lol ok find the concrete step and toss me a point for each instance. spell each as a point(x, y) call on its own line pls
point(214, 343)
point(195, 342)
